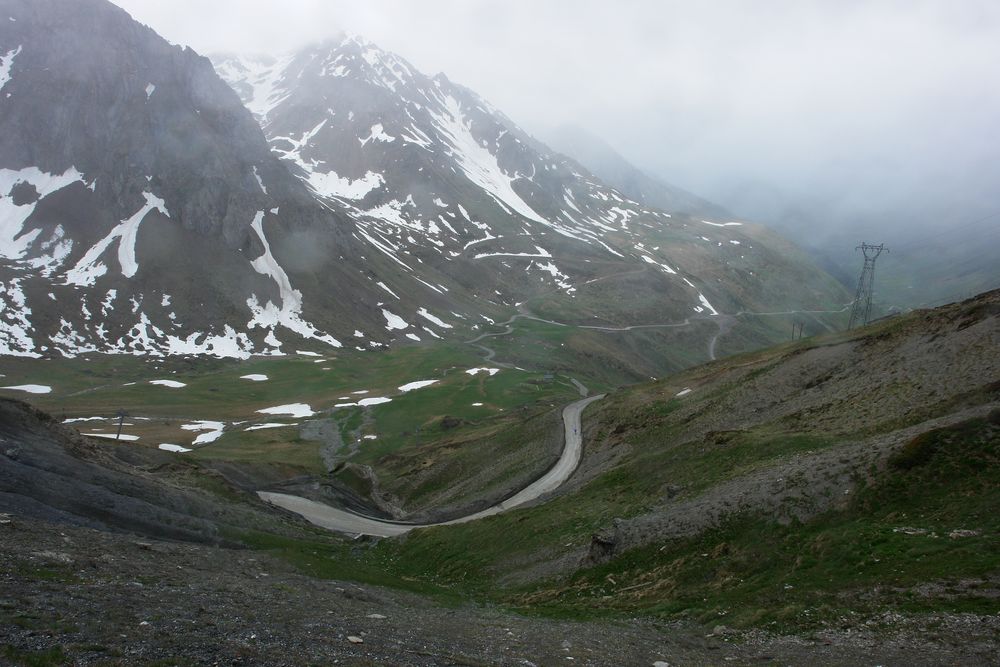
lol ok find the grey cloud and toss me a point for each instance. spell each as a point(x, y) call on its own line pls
point(796, 112)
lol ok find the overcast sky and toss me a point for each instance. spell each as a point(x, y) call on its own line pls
point(835, 113)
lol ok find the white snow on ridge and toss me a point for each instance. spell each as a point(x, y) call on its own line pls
point(256, 377)
point(15, 327)
point(394, 321)
point(433, 319)
point(331, 185)
point(561, 279)
point(365, 402)
point(213, 430)
point(649, 260)
point(383, 286)
point(228, 344)
point(706, 304)
point(263, 79)
point(6, 60)
point(31, 388)
point(173, 384)
point(479, 165)
point(723, 224)
point(143, 339)
point(377, 133)
point(12, 218)
point(259, 181)
point(418, 137)
point(292, 410)
point(418, 384)
point(325, 184)
point(167, 447)
point(289, 315)
point(54, 251)
point(491, 371)
point(377, 400)
point(88, 269)
point(542, 252)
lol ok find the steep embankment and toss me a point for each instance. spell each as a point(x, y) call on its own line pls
point(50, 472)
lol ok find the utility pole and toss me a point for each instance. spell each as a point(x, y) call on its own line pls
point(862, 311)
point(121, 421)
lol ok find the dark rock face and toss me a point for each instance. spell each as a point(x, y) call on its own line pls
point(115, 124)
point(94, 90)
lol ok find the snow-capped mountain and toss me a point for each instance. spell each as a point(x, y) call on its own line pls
point(444, 185)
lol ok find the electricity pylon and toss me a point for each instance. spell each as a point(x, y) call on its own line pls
point(862, 311)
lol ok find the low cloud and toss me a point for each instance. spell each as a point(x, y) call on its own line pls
point(802, 113)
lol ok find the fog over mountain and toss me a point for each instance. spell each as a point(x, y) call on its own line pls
point(868, 115)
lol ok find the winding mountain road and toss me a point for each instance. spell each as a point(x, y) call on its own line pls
point(340, 520)
point(343, 521)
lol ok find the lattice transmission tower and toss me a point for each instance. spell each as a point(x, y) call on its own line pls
point(862, 311)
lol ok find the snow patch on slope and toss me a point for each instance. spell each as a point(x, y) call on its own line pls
point(480, 166)
point(89, 269)
point(12, 217)
point(263, 79)
point(213, 430)
point(377, 133)
point(31, 388)
point(289, 315)
point(15, 327)
point(394, 321)
point(6, 60)
point(418, 384)
point(706, 304)
point(329, 184)
point(291, 409)
point(423, 312)
point(173, 384)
